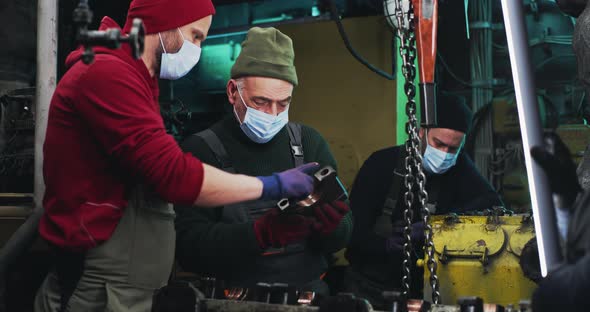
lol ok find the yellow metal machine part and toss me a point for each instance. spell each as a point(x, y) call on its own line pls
point(479, 256)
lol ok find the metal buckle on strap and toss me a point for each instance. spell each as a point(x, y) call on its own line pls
point(389, 206)
point(431, 207)
point(297, 150)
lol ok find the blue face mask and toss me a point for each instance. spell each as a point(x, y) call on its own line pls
point(261, 127)
point(436, 161)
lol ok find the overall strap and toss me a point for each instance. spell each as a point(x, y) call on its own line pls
point(218, 149)
point(294, 130)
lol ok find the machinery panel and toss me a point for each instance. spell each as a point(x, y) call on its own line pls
point(480, 256)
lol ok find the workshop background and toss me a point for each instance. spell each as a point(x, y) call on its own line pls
point(356, 110)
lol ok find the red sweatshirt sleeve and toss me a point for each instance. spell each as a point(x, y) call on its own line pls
point(117, 104)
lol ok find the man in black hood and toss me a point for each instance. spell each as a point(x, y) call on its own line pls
point(453, 184)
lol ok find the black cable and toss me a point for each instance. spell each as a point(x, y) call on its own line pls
point(458, 79)
point(338, 21)
point(478, 117)
point(551, 113)
point(582, 105)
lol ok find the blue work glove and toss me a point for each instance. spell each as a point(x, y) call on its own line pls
point(395, 243)
point(293, 183)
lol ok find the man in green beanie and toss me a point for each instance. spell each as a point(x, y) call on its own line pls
point(249, 243)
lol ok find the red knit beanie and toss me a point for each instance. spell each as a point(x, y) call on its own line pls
point(163, 15)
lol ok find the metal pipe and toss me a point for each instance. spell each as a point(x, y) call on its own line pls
point(46, 82)
point(532, 135)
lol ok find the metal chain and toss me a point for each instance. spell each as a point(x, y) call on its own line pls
point(414, 175)
point(408, 216)
point(409, 73)
point(429, 244)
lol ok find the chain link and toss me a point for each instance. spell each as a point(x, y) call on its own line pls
point(429, 244)
point(414, 179)
point(408, 216)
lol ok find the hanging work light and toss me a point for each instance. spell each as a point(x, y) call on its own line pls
point(389, 8)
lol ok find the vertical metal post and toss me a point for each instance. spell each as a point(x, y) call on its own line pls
point(46, 82)
point(532, 134)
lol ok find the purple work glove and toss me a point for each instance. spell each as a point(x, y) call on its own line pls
point(293, 183)
point(395, 243)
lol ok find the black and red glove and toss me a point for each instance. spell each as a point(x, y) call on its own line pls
point(274, 229)
point(329, 216)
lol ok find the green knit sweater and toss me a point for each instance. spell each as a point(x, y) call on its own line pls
point(206, 245)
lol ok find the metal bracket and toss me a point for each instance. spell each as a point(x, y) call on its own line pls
point(485, 259)
point(297, 150)
point(444, 258)
point(480, 25)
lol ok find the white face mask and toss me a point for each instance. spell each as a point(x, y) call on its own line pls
point(176, 65)
point(261, 127)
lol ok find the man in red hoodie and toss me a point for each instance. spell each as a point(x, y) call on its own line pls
point(111, 170)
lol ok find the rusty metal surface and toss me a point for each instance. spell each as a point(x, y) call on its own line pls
point(466, 269)
point(213, 305)
point(306, 298)
point(489, 307)
point(444, 308)
point(418, 305)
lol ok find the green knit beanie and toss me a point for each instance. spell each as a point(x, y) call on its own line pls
point(266, 52)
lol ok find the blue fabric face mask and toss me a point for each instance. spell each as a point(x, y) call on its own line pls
point(438, 162)
point(261, 127)
point(176, 65)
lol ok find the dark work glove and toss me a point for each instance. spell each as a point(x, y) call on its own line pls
point(395, 243)
point(293, 183)
point(555, 159)
point(565, 288)
point(176, 296)
point(274, 229)
point(329, 216)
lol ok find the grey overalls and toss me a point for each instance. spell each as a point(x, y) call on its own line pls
point(122, 273)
